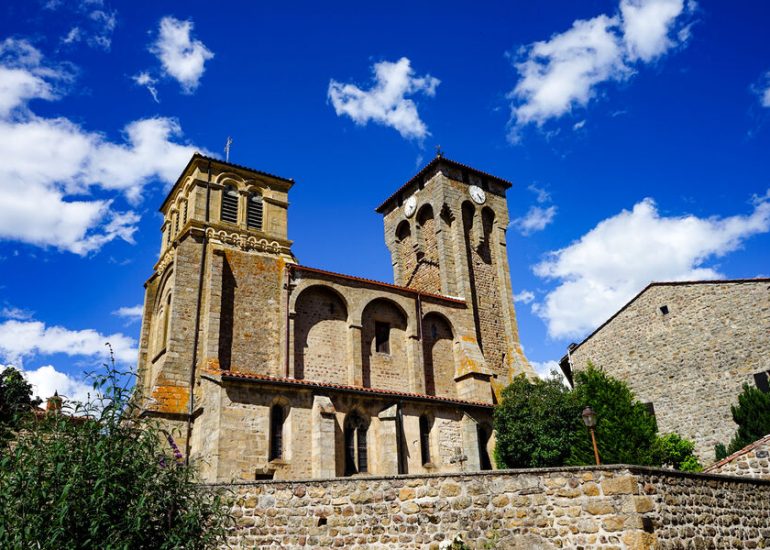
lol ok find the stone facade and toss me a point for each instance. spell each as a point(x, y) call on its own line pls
point(297, 372)
point(751, 461)
point(598, 507)
point(687, 348)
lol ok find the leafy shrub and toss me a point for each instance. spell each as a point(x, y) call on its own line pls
point(752, 414)
point(102, 478)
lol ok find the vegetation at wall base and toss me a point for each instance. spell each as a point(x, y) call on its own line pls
point(752, 414)
point(538, 423)
point(102, 477)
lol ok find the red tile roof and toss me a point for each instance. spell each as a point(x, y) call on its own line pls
point(246, 376)
point(375, 283)
point(432, 164)
point(737, 454)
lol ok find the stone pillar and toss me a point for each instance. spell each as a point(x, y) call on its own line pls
point(414, 357)
point(355, 351)
point(322, 452)
point(387, 442)
point(470, 444)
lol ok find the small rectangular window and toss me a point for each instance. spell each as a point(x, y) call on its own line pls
point(650, 408)
point(664, 310)
point(382, 337)
point(761, 381)
point(424, 440)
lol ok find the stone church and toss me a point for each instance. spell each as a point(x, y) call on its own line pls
point(263, 368)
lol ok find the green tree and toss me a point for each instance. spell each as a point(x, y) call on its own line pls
point(16, 400)
point(752, 416)
point(673, 451)
point(625, 431)
point(102, 478)
point(535, 424)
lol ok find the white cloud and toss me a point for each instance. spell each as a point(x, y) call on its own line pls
point(607, 266)
point(146, 80)
point(132, 313)
point(763, 90)
point(562, 73)
point(49, 161)
point(647, 26)
point(544, 369)
point(182, 57)
point(20, 340)
point(95, 23)
point(524, 297)
point(10, 312)
point(103, 23)
point(536, 219)
point(579, 125)
point(541, 195)
point(46, 380)
point(386, 102)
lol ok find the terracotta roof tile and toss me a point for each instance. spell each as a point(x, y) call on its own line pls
point(737, 454)
point(246, 376)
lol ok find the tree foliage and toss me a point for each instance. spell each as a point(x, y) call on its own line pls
point(625, 431)
point(752, 414)
point(16, 400)
point(538, 423)
point(535, 424)
point(103, 478)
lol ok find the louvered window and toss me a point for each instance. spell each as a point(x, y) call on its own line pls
point(229, 205)
point(276, 432)
point(176, 223)
point(254, 212)
point(184, 207)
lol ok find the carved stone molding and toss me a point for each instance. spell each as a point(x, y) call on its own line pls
point(244, 241)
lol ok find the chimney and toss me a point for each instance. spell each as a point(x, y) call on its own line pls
point(53, 404)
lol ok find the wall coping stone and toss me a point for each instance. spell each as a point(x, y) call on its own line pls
point(650, 470)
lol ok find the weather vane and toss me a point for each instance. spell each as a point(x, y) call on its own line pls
point(439, 152)
point(228, 143)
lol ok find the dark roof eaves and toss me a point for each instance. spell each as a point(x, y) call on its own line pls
point(381, 208)
point(200, 156)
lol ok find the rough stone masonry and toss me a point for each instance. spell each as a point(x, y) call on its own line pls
point(609, 507)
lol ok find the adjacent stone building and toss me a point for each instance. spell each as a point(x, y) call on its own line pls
point(266, 369)
point(686, 349)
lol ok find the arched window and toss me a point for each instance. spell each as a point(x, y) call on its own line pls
point(425, 440)
point(356, 460)
point(254, 212)
point(277, 418)
point(229, 205)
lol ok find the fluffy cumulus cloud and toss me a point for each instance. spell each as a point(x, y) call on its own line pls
point(46, 381)
point(607, 266)
point(50, 161)
point(132, 313)
point(545, 369)
point(181, 56)
point(20, 340)
point(537, 218)
point(386, 102)
point(524, 296)
point(564, 72)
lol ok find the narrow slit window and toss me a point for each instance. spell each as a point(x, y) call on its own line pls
point(276, 432)
point(356, 457)
point(382, 337)
point(362, 455)
point(229, 205)
point(254, 212)
point(664, 310)
point(424, 440)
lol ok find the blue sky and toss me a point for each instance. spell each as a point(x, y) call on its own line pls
point(636, 133)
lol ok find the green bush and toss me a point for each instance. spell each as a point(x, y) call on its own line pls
point(752, 414)
point(16, 401)
point(535, 424)
point(103, 478)
point(625, 431)
point(675, 452)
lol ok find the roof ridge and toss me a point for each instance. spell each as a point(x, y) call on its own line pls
point(748, 448)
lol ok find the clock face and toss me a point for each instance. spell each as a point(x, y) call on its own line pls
point(477, 194)
point(410, 206)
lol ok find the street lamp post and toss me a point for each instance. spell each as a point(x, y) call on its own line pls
point(589, 419)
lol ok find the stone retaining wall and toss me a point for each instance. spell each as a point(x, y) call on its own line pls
point(603, 507)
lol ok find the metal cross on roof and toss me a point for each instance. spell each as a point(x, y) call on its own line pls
point(439, 152)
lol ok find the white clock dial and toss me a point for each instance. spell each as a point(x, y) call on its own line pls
point(410, 206)
point(477, 194)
